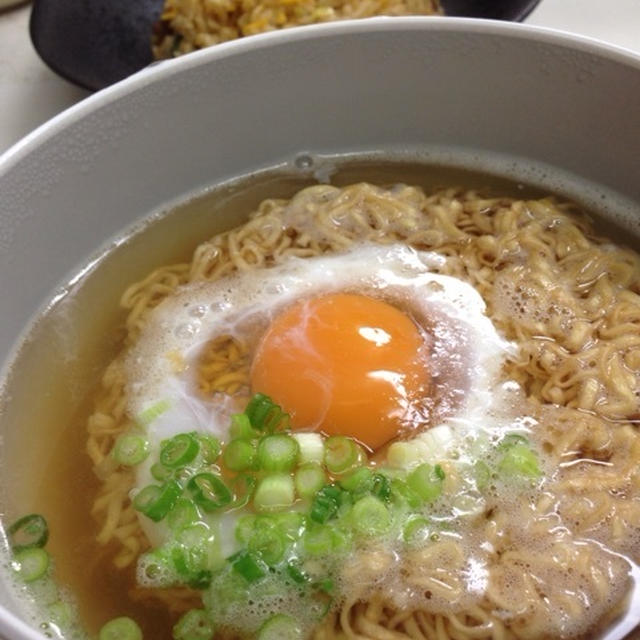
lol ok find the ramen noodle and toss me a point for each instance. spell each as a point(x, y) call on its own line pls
point(528, 524)
point(187, 25)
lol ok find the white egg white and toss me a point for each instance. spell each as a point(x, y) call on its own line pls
point(161, 365)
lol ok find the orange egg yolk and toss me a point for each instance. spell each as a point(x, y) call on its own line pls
point(344, 364)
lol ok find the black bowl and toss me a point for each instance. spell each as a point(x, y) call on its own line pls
point(94, 43)
point(514, 10)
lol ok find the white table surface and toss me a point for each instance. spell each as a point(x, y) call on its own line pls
point(30, 93)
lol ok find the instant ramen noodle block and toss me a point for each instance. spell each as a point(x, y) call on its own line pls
point(187, 25)
point(503, 503)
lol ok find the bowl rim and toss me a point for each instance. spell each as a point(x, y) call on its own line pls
point(163, 69)
point(11, 623)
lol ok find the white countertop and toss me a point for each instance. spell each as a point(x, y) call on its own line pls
point(31, 93)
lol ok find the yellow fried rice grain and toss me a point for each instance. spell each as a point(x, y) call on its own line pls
point(187, 25)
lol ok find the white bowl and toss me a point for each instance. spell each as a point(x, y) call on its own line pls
point(544, 106)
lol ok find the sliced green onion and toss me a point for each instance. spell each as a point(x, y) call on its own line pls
point(28, 531)
point(179, 451)
point(341, 454)
point(265, 415)
point(189, 565)
point(196, 535)
point(244, 528)
point(31, 563)
point(209, 491)
point(358, 481)
point(209, 447)
point(341, 539)
point(239, 455)
point(241, 428)
point(160, 472)
point(200, 579)
point(248, 565)
point(194, 625)
point(416, 530)
point(403, 494)
point(151, 413)
point(183, 513)
point(156, 501)
point(182, 476)
point(511, 439)
point(326, 503)
point(403, 455)
point(130, 449)
point(123, 628)
point(309, 479)
point(439, 472)
point(381, 487)
point(267, 541)
point(370, 517)
point(274, 492)
point(319, 540)
point(60, 613)
point(278, 452)
point(187, 562)
point(242, 488)
point(191, 556)
point(296, 573)
point(311, 447)
point(482, 474)
point(280, 627)
point(426, 481)
point(520, 460)
point(291, 523)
